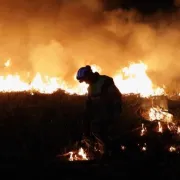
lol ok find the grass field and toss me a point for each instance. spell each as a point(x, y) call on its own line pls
point(35, 128)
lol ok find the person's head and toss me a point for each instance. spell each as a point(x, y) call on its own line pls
point(85, 74)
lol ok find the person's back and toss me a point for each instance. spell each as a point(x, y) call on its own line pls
point(104, 96)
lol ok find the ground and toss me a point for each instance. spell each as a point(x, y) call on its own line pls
point(35, 128)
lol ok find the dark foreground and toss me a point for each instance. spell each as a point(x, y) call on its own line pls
point(139, 168)
point(34, 129)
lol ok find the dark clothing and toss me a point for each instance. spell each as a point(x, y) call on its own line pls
point(103, 106)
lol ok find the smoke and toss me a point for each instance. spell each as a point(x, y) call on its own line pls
point(57, 37)
point(177, 3)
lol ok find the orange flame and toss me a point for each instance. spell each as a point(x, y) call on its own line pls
point(7, 63)
point(158, 114)
point(132, 79)
point(81, 155)
point(160, 129)
point(143, 130)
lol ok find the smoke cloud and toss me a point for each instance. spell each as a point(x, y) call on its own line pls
point(57, 37)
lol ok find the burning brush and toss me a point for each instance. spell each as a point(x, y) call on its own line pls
point(163, 119)
point(162, 123)
point(159, 132)
point(158, 114)
point(88, 149)
point(79, 155)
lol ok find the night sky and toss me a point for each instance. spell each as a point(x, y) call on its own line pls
point(144, 6)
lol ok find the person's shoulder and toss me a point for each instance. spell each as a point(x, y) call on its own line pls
point(107, 80)
point(106, 77)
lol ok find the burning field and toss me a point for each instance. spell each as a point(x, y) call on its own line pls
point(43, 44)
point(41, 121)
point(158, 126)
point(36, 113)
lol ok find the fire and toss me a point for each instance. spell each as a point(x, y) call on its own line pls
point(81, 155)
point(144, 148)
point(160, 129)
point(123, 147)
point(143, 130)
point(132, 79)
point(172, 149)
point(178, 130)
point(7, 63)
point(159, 114)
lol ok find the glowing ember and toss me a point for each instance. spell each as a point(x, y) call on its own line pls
point(144, 148)
point(160, 129)
point(123, 147)
point(143, 130)
point(132, 79)
point(172, 149)
point(178, 130)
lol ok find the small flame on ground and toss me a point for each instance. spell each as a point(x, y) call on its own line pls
point(172, 149)
point(143, 130)
point(123, 148)
point(144, 148)
point(81, 155)
point(178, 130)
point(160, 129)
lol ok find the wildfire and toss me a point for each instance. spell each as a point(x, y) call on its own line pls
point(132, 79)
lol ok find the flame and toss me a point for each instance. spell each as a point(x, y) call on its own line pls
point(143, 130)
point(172, 149)
point(80, 155)
point(132, 79)
point(144, 148)
point(123, 147)
point(160, 129)
point(7, 63)
point(178, 130)
point(158, 114)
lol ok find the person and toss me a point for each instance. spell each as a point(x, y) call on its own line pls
point(103, 104)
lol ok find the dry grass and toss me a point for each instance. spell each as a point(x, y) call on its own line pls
point(40, 126)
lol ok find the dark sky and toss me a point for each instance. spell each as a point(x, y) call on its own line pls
point(144, 6)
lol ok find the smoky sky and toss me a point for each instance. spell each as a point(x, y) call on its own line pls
point(57, 37)
point(141, 5)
